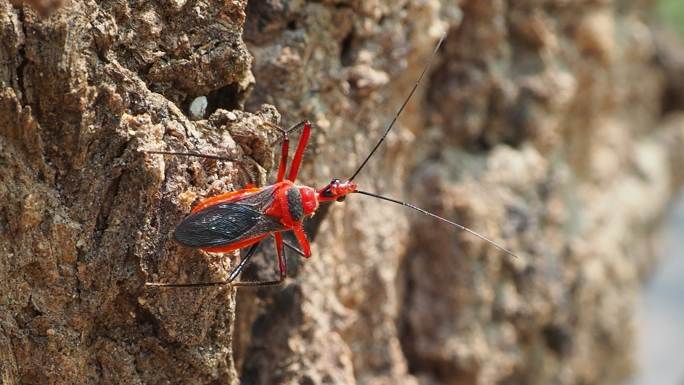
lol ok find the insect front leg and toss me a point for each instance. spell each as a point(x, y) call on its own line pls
point(302, 240)
point(299, 153)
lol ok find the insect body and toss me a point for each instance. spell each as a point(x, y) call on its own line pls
point(236, 220)
point(244, 218)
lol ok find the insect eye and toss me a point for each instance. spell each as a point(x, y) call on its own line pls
point(327, 193)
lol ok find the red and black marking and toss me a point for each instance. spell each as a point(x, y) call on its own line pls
point(229, 222)
point(294, 204)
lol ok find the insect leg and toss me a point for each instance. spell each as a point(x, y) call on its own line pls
point(304, 138)
point(195, 154)
point(299, 153)
point(284, 150)
point(241, 163)
point(282, 266)
point(233, 274)
point(302, 240)
point(243, 262)
point(294, 248)
point(282, 257)
point(226, 158)
point(289, 130)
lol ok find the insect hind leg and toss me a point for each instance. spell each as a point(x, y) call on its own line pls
point(282, 266)
point(233, 274)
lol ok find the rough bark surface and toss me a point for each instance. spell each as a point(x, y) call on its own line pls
point(550, 126)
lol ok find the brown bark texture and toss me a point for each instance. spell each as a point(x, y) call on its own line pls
point(551, 126)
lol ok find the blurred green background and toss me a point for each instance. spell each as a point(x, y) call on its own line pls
point(672, 12)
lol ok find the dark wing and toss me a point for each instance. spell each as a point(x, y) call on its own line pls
point(230, 222)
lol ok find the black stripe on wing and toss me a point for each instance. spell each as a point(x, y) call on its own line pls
point(223, 224)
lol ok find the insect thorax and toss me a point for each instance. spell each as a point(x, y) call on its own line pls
point(294, 204)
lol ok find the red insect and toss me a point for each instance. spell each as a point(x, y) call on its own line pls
point(244, 218)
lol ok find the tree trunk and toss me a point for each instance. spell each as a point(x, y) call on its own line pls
point(552, 128)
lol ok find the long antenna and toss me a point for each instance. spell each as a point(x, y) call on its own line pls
point(401, 109)
point(461, 227)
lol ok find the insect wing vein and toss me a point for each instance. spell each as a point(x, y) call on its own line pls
point(229, 222)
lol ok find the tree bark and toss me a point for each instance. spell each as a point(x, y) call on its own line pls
point(553, 128)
